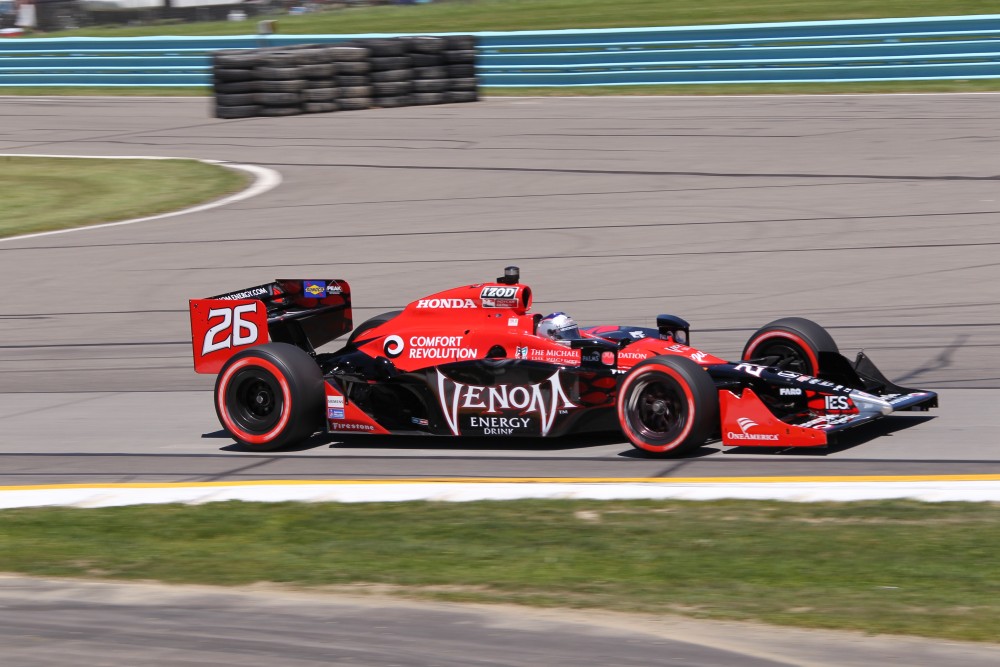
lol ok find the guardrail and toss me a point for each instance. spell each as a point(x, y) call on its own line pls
point(957, 47)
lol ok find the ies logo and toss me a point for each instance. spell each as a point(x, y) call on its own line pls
point(544, 399)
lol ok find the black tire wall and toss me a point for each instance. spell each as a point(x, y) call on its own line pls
point(350, 76)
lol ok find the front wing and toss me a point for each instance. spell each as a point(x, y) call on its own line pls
point(865, 397)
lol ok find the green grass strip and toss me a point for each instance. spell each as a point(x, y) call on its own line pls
point(481, 15)
point(42, 194)
point(889, 567)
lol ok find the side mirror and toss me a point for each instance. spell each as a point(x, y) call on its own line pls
point(671, 326)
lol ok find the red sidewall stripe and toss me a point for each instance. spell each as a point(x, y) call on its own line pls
point(632, 435)
point(806, 347)
point(286, 402)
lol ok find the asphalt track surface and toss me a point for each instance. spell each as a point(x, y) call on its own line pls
point(876, 216)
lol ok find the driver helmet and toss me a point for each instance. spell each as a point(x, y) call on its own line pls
point(558, 326)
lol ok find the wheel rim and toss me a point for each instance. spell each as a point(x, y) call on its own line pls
point(790, 356)
point(254, 400)
point(657, 410)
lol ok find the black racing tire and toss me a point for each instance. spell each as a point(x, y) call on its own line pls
point(270, 396)
point(430, 85)
point(668, 406)
point(319, 107)
point(346, 54)
point(319, 95)
point(354, 104)
point(427, 45)
point(356, 91)
point(280, 111)
point(791, 343)
point(456, 57)
point(430, 73)
point(318, 70)
point(428, 98)
point(390, 62)
point(355, 68)
point(314, 55)
point(426, 59)
point(381, 48)
point(278, 73)
point(461, 71)
point(278, 99)
point(228, 74)
point(392, 88)
point(460, 42)
point(235, 100)
point(278, 59)
point(235, 59)
point(290, 86)
point(392, 75)
point(393, 102)
point(352, 81)
point(245, 111)
point(463, 84)
point(237, 87)
point(370, 324)
point(456, 96)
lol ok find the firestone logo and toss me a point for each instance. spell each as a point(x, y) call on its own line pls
point(455, 396)
point(446, 303)
point(745, 424)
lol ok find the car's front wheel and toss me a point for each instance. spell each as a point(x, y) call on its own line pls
point(791, 343)
point(270, 396)
point(668, 406)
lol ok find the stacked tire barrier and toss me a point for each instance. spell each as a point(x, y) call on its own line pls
point(355, 75)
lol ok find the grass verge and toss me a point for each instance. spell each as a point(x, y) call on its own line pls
point(480, 15)
point(889, 567)
point(42, 194)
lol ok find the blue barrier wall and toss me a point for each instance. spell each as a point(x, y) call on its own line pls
point(957, 47)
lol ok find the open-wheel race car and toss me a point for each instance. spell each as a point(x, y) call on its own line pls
point(474, 361)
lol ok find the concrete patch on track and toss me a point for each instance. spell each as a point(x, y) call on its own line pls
point(955, 488)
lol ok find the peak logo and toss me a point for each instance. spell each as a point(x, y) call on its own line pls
point(544, 399)
point(446, 303)
point(745, 424)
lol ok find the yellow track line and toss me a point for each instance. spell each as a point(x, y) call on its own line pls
point(665, 481)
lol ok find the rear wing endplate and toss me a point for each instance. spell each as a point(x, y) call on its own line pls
point(305, 313)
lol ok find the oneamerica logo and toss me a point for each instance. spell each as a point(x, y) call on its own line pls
point(745, 424)
point(455, 396)
point(446, 303)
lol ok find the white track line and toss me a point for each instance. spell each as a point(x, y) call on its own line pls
point(264, 179)
point(111, 495)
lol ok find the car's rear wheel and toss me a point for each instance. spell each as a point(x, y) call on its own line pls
point(791, 343)
point(668, 406)
point(270, 396)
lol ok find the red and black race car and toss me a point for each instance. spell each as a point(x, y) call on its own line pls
point(471, 361)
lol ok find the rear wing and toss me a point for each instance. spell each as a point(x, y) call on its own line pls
point(304, 313)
